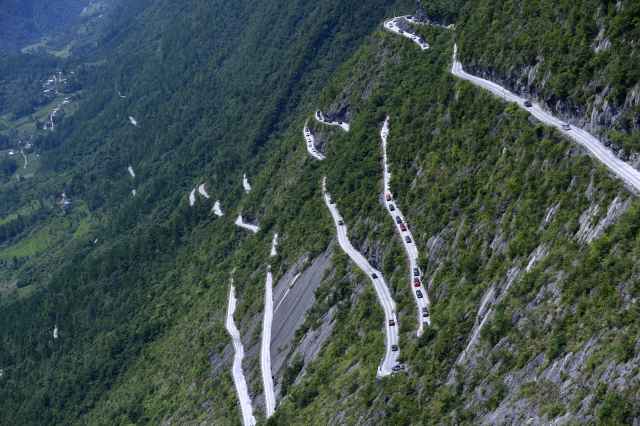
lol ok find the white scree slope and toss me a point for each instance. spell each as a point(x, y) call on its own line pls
point(382, 291)
point(423, 303)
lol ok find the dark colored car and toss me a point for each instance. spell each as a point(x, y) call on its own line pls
point(398, 220)
point(392, 323)
point(419, 294)
point(407, 239)
point(392, 207)
point(340, 222)
point(394, 348)
point(374, 275)
point(425, 312)
point(416, 272)
point(528, 104)
point(398, 367)
point(565, 126)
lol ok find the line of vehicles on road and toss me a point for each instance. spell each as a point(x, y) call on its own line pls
point(417, 274)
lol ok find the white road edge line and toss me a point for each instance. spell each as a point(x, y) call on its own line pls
point(410, 248)
point(237, 373)
point(596, 148)
point(390, 358)
point(265, 350)
point(289, 287)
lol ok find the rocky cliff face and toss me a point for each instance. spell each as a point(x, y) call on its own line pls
point(577, 63)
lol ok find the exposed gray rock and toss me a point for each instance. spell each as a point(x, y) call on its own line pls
point(588, 230)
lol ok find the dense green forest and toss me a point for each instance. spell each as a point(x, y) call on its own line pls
point(136, 286)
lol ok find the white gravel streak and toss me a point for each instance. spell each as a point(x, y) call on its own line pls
point(131, 172)
point(410, 248)
point(382, 290)
point(237, 373)
point(596, 148)
point(192, 197)
point(133, 121)
point(265, 350)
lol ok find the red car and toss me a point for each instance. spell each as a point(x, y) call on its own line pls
point(416, 282)
point(403, 227)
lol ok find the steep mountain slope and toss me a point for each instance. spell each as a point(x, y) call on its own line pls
point(529, 246)
point(205, 104)
point(23, 22)
point(579, 58)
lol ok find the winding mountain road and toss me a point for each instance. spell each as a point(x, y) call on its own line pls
point(202, 190)
point(265, 349)
point(249, 227)
point(596, 148)
point(217, 209)
point(237, 373)
point(415, 276)
point(393, 25)
point(391, 325)
point(320, 118)
point(245, 183)
point(310, 141)
point(274, 245)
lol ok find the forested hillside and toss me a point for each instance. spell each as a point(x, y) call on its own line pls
point(25, 21)
point(118, 251)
